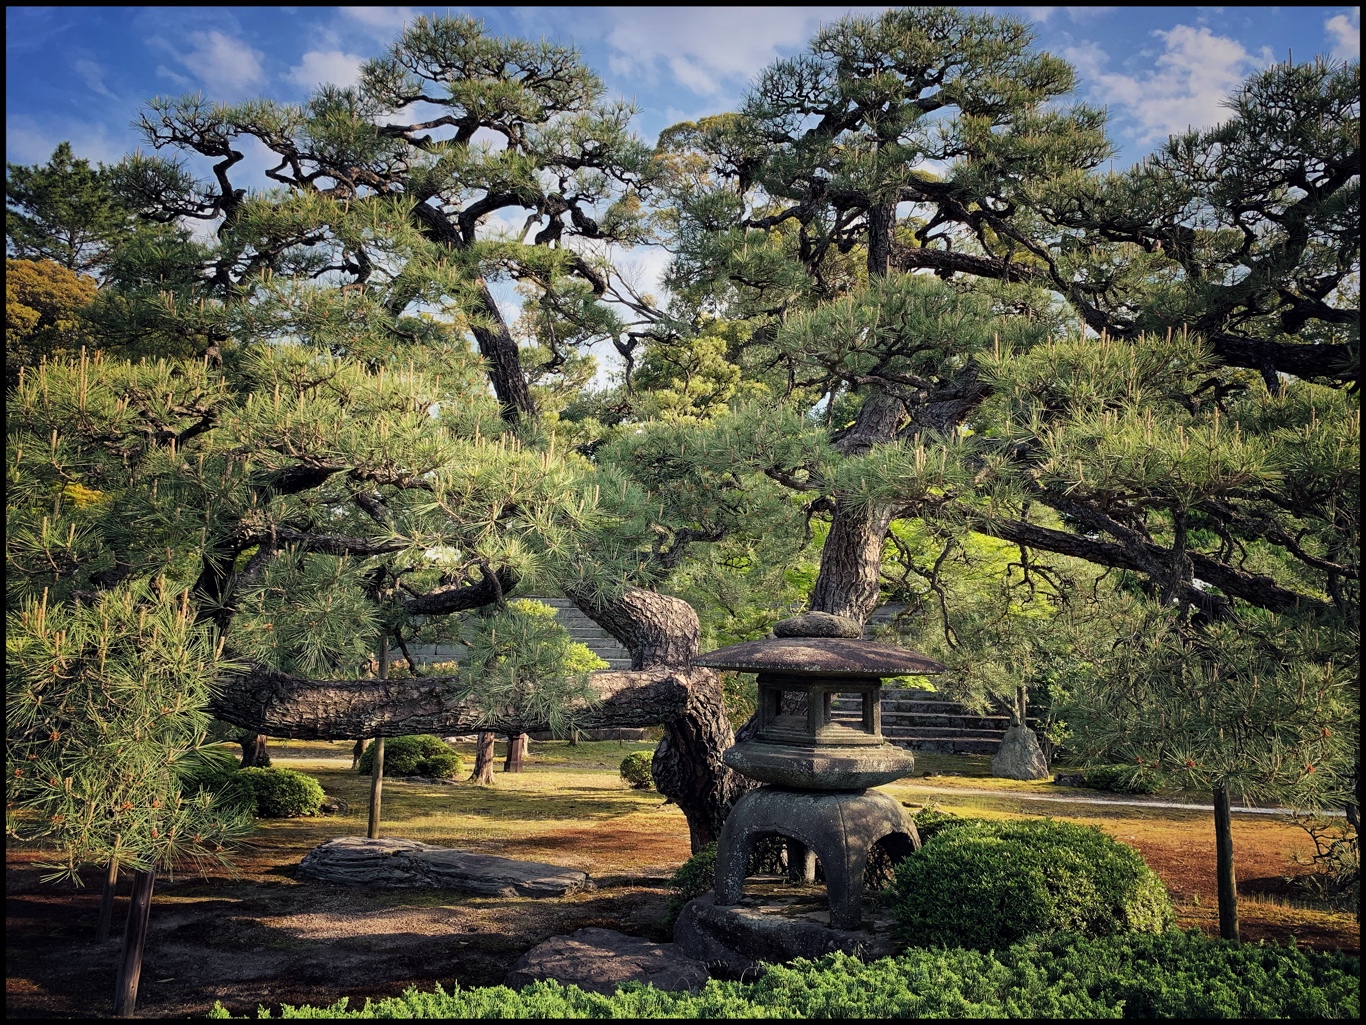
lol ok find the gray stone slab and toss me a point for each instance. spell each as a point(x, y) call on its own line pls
point(390, 862)
point(600, 960)
point(774, 928)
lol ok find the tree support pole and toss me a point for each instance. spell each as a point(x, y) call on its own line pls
point(377, 767)
point(1223, 853)
point(516, 753)
point(111, 883)
point(134, 940)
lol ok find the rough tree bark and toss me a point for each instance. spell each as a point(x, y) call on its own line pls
point(254, 754)
point(483, 759)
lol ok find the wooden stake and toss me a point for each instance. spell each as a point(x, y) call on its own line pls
point(377, 767)
point(1223, 865)
point(134, 940)
point(111, 883)
point(516, 753)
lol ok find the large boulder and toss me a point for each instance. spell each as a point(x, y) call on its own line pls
point(1020, 756)
point(600, 960)
point(391, 862)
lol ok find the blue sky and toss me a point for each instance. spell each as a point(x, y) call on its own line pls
point(81, 73)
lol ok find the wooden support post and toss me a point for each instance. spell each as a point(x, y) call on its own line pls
point(516, 753)
point(134, 940)
point(377, 766)
point(1223, 865)
point(111, 884)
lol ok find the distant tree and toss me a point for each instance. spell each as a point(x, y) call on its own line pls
point(44, 303)
point(64, 211)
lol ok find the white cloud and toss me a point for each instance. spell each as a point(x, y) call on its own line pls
point(226, 66)
point(330, 67)
point(1075, 14)
point(1192, 80)
point(1344, 31)
point(93, 76)
point(164, 72)
point(708, 48)
point(381, 17)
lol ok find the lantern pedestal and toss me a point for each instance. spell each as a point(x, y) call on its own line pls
point(839, 827)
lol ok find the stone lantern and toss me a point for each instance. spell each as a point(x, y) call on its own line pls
point(817, 763)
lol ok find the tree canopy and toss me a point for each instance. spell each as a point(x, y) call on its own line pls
point(917, 343)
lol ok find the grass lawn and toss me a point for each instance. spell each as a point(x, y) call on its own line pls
point(264, 937)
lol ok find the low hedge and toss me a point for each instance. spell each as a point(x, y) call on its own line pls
point(1121, 779)
point(268, 793)
point(987, 884)
point(1171, 975)
point(422, 755)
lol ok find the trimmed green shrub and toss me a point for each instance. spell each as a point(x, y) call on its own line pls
point(635, 770)
point(989, 884)
point(422, 755)
point(931, 821)
point(1172, 975)
point(1121, 779)
point(278, 793)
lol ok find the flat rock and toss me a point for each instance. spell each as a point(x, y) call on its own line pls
point(775, 928)
point(391, 862)
point(600, 960)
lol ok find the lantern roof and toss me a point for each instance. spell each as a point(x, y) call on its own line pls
point(821, 656)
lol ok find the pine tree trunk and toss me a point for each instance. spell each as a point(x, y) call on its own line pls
point(1223, 858)
point(254, 754)
point(134, 940)
point(881, 221)
point(851, 561)
point(501, 357)
point(483, 759)
point(516, 753)
point(687, 766)
point(111, 885)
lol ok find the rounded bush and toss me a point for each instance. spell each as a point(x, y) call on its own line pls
point(280, 793)
point(635, 770)
point(422, 755)
point(989, 884)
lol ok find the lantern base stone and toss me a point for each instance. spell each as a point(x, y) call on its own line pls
point(775, 923)
point(839, 828)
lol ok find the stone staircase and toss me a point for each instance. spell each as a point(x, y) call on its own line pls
point(926, 721)
point(580, 627)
